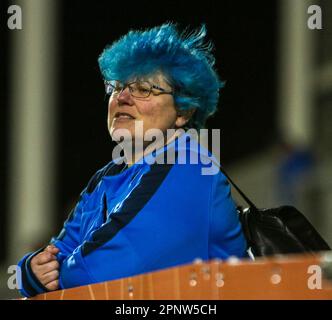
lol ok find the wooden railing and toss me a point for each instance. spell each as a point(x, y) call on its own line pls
point(284, 277)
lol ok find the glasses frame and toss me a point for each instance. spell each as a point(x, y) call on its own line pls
point(125, 85)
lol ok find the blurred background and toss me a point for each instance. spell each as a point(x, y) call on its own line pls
point(275, 112)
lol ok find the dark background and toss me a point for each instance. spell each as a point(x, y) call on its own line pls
point(4, 109)
point(245, 38)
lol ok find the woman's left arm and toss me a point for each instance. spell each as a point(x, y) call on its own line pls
point(225, 231)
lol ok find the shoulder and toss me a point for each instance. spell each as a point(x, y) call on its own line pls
point(112, 168)
point(192, 152)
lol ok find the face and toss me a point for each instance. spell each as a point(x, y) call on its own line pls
point(155, 111)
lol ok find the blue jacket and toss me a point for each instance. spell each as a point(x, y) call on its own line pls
point(143, 218)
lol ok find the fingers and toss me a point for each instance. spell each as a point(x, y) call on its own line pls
point(40, 270)
point(54, 285)
point(49, 277)
point(44, 257)
point(52, 249)
point(46, 267)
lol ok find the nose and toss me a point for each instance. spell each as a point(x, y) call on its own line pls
point(124, 97)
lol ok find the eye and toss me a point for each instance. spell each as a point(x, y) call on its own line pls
point(140, 89)
point(143, 87)
point(117, 89)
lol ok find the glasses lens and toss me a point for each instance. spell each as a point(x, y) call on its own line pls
point(140, 89)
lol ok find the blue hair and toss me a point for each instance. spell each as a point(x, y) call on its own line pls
point(185, 59)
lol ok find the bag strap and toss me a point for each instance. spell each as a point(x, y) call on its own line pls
point(246, 199)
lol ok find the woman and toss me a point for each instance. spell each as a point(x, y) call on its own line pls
point(143, 212)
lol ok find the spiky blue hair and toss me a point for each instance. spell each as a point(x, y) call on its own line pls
point(185, 59)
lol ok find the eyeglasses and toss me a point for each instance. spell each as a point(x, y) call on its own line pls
point(138, 89)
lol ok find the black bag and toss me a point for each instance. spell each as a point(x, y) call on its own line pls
point(279, 230)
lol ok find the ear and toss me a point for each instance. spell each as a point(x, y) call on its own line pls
point(183, 117)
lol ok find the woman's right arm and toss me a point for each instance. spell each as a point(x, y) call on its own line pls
point(39, 270)
point(39, 267)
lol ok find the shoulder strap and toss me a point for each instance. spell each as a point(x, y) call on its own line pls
point(246, 199)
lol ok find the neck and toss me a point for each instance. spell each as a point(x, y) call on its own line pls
point(147, 149)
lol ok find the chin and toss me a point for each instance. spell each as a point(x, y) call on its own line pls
point(121, 133)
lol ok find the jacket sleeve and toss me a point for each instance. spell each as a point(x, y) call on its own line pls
point(69, 237)
point(28, 284)
point(66, 241)
point(226, 237)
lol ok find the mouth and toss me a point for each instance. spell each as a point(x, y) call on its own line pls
point(123, 116)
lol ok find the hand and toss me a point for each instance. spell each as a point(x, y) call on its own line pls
point(46, 267)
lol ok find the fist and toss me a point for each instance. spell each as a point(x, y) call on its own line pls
point(46, 267)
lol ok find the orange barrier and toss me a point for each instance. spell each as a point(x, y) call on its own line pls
point(280, 277)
